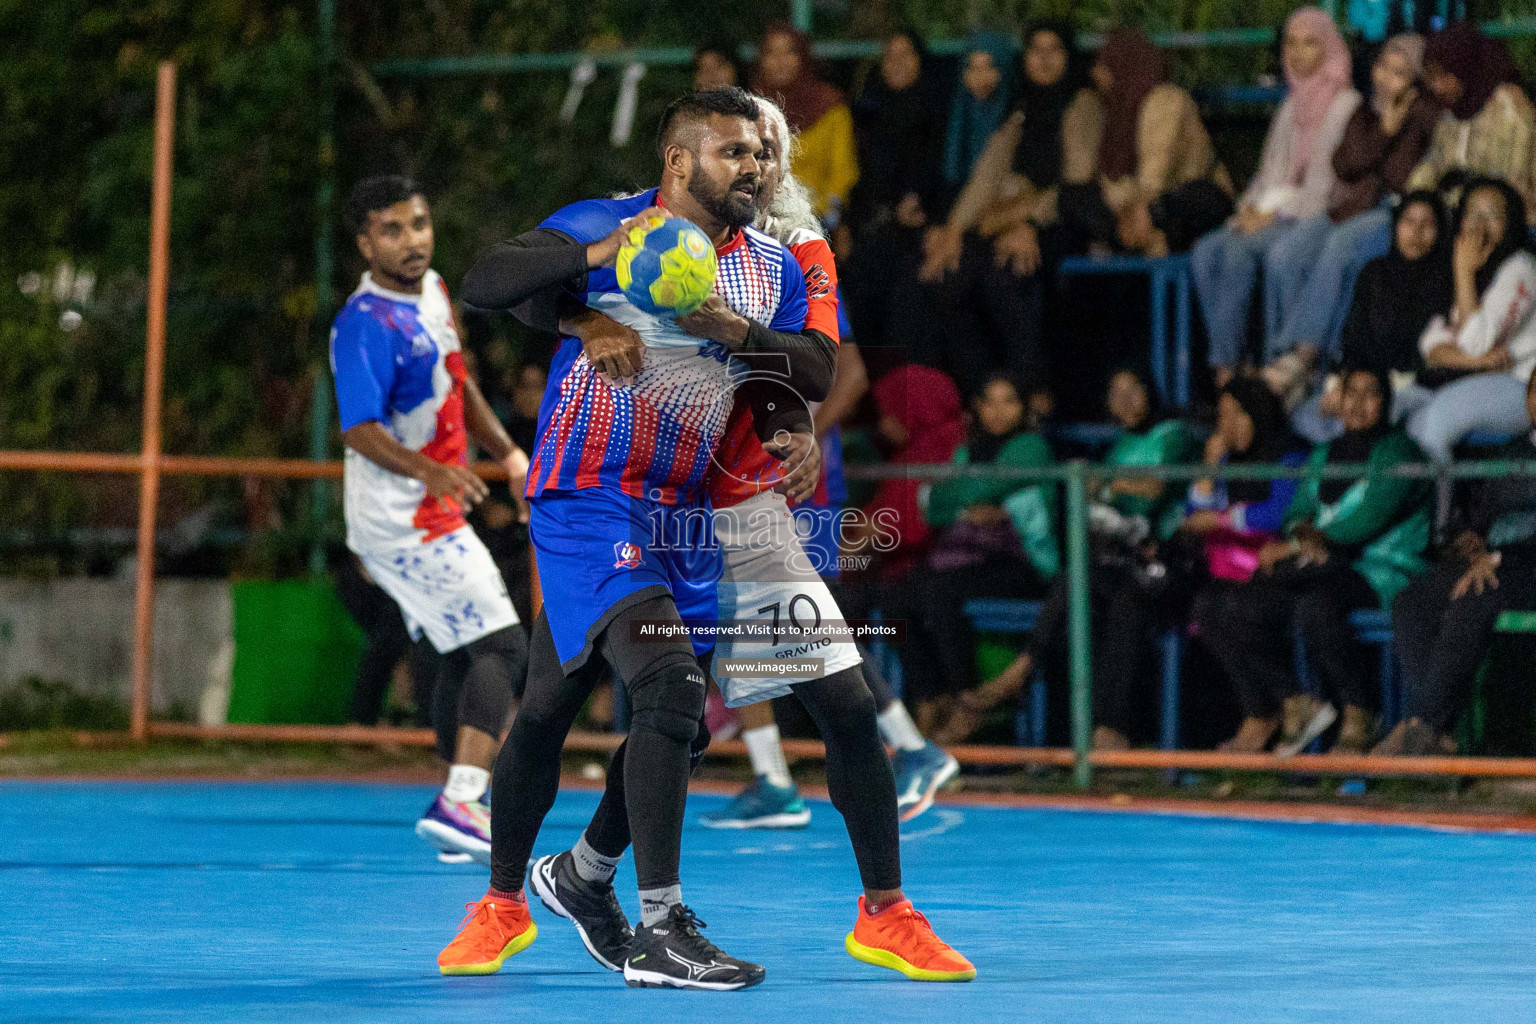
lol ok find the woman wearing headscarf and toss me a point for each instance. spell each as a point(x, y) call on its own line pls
point(1294, 182)
point(1233, 519)
point(997, 539)
point(1489, 125)
point(979, 103)
point(1396, 296)
point(824, 160)
point(1050, 137)
point(716, 65)
point(1159, 185)
point(922, 421)
point(1128, 584)
point(990, 253)
point(1485, 343)
point(898, 126)
point(1345, 544)
point(1314, 267)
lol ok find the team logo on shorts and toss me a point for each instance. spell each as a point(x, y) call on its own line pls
point(626, 555)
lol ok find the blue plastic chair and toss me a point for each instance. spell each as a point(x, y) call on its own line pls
point(1004, 615)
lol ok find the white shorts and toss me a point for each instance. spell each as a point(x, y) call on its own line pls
point(768, 578)
point(448, 588)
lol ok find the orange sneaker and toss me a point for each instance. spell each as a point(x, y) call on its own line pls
point(902, 939)
point(493, 930)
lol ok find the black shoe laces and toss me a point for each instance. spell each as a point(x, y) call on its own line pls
point(687, 925)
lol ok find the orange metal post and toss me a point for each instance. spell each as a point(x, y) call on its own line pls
point(154, 379)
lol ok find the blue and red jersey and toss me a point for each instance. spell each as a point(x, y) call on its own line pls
point(653, 436)
point(396, 360)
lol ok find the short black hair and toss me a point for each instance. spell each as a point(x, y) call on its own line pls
point(377, 193)
point(732, 101)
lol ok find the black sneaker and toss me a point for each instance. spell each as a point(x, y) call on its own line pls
point(672, 954)
point(590, 906)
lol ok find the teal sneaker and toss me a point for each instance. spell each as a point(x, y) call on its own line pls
point(920, 774)
point(762, 805)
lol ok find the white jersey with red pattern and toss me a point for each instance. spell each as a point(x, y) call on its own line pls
point(396, 360)
point(741, 468)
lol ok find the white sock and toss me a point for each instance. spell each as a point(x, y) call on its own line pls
point(591, 865)
point(466, 783)
point(899, 730)
point(656, 904)
point(767, 755)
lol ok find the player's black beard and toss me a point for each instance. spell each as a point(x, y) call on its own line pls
point(726, 207)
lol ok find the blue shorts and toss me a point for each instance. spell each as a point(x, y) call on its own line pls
point(601, 551)
point(818, 529)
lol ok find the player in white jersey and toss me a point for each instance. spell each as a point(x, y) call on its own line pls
point(792, 579)
point(408, 410)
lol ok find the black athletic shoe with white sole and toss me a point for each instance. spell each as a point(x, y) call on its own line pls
point(672, 954)
point(590, 906)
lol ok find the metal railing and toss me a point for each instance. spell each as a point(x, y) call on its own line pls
point(1074, 477)
point(826, 49)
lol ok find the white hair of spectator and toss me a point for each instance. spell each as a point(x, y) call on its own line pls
point(791, 213)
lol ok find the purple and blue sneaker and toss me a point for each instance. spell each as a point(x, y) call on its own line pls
point(458, 828)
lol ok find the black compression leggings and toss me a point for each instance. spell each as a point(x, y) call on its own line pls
point(883, 694)
point(667, 692)
point(859, 780)
point(476, 685)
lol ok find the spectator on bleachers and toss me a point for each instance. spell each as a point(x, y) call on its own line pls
point(1128, 583)
point(1316, 265)
point(1159, 185)
point(1489, 129)
point(1485, 344)
point(1146, 439)
point(716, 64)
point(979, 104)
point(898, 125)
point(1395, 298)
point(1293, 183)
point(1443, 620)
point(996, 539)
point(520, 412)
point(999, 240)
point(1346, 545)
point(1234, 519)
point(922, 421)
point(818, 114)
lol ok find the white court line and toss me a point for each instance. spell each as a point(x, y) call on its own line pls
point(947, 820)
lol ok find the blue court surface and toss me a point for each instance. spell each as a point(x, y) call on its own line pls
point(316, 903)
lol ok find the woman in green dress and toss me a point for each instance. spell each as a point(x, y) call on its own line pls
point(1128, 516)
point(1345, 544)
point(996, 539)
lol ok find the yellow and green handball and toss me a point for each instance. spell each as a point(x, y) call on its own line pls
point(667, 267)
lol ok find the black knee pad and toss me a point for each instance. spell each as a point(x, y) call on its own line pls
point(496, 664)
point(668, 697)
point(510, 645)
